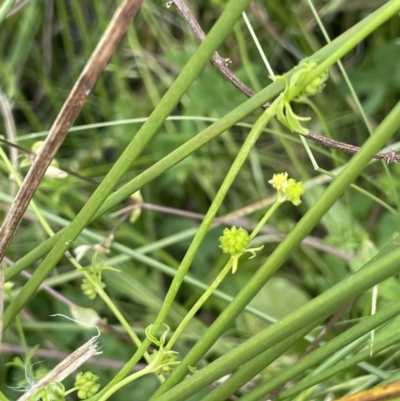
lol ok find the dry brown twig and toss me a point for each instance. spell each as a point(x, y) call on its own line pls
point(222, 64)
point(65, 367)
point(73, 104)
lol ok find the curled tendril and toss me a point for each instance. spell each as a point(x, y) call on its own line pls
point(159, 342)
point(163, 360)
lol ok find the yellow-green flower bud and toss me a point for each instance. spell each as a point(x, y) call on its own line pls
point(86, 384)
point(234, 241)
point(167, 360)
point(54, 392)
point(316, 85)
point(89, 289)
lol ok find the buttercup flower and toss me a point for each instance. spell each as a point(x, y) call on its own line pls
point(279, 180)
point(287, 188)
point(293, 191)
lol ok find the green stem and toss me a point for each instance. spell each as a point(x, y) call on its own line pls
point(124, 382)
point(244, 374)
point(157, 169)
point(343, 366)
point(70, 391)
point(244, 57)
point(199, 304)
point(136, 340)
point(209, 217)
point(331, 53)
point(337, 348)
point(194, 246)
point(77, 265)
point(264, 220)
point(311, 313)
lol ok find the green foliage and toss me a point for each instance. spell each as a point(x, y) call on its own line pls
point(164, 121)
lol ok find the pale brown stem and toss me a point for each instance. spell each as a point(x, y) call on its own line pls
point(81, 90)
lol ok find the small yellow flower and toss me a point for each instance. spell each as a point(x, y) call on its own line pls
point(293, 191)
point(287, 188)
point(279, 180)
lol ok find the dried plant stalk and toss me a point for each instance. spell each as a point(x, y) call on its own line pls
point(81, 90)
point(65, 367)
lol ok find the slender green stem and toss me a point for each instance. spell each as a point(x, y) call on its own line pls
point(70, 391)
point(214, 285)
point(244, 57)
point(212, 211)
point(158, 168)
point(20, 329)
point(244, 374)
point(148, 369)
point(327, 373)
point(136, 340)
point(77, 265)
point(187, 260)
point(265, 219)
point(356, 100)
point(338, 47)
point(312, 312)
point(364, 192)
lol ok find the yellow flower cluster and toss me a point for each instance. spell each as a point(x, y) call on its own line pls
point(288, 189)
